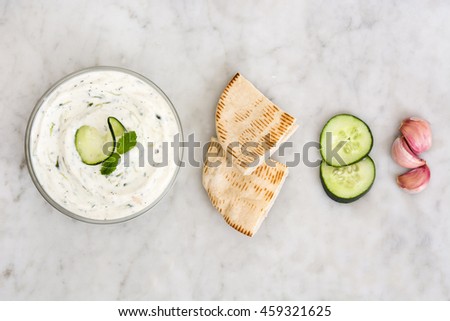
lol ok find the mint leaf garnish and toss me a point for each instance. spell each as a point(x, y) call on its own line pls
point(110, 164)
point(95, 148)
point(126, 142)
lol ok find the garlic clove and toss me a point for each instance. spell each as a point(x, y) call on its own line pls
point(403, 155)
point(415, 180)
point(417, 133)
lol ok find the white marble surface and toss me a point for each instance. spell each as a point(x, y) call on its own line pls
point(382, 60)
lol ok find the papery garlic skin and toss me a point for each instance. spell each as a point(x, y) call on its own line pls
point(417, 133)
point(402, 154)
point(415, 181)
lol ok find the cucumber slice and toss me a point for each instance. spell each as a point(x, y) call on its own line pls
point(346, 184)
point(345, 140)
point(116, 128)
point(90, 145)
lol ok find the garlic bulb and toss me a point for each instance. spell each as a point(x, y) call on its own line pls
point(415, 180)
point(403, 155)
point(417, 133)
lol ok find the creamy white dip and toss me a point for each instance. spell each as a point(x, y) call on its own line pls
point(89, 99)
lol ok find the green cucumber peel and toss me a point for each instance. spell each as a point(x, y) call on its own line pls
point(90, 145)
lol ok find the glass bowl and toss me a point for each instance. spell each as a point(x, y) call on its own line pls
point(28, 146)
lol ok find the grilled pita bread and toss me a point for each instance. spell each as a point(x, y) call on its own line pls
point(242, 200)
point(249, 125)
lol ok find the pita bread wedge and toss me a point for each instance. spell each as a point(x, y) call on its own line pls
point(242, 200)
point(249, 125)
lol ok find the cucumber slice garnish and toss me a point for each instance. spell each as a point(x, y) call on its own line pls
point(346, 184)
point(345, 140)
point(90, 145)
point(116, 127)
point(95, 148)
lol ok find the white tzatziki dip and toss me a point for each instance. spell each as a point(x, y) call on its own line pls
point(89, 98)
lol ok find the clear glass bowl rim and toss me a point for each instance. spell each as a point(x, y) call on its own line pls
point(29, 163)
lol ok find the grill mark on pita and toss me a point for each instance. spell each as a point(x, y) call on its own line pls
point(220, 107)
point(237, 227)
point(242, 162)
point(218, 150)
point(248, 133)
point(278, 177)
point(221, 128)
point(269, 142)
point(242, 200)
point(260, 171)
point(221, 132)
point(243, 106)
point(285, 117)
point(232, 152)
point(258, 124)
point(274, 108)
point(268, 195)
point(232, 81)
point(268, 116)
point(258, 101)
point(248, 159)
point(274, 136)
point(242, 116)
